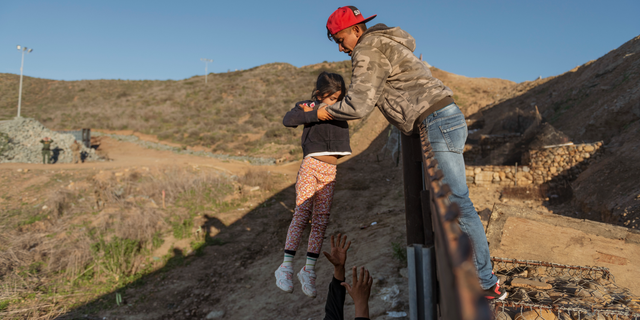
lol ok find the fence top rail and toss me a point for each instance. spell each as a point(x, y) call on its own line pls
point(468, 301)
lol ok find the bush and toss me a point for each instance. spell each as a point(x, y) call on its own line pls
point(182, 229)
point(157, 240)
point(117, 256)
point(399, 252)
point(5, 144)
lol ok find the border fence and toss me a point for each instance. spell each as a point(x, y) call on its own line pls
point(442, 276)
point(443, 282)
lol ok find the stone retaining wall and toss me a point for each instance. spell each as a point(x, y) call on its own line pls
point(562, 162)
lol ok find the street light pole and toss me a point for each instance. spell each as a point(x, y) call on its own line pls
point(206, 73)
point(23, 49)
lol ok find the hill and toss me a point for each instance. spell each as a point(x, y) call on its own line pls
point(599, 100)
point(236, 113)
point(210, 245)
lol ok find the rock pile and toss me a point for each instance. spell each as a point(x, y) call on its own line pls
point(559, 162)
point(24, 135)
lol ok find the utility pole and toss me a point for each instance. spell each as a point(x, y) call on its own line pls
point(27, 50)
point(206, 73)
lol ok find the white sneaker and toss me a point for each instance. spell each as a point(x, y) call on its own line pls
point(284, 278)
point(308, 281)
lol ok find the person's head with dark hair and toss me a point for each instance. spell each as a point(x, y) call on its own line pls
point(330, 88)
point(358, 29)
point(345, 26)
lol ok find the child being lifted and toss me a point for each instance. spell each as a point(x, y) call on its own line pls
point(322, 144)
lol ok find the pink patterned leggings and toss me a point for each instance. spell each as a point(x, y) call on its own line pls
point(314, 193)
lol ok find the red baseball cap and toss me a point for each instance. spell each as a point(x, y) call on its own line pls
point(345, 17)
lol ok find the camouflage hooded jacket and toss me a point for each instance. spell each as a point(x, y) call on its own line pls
point(386, 74)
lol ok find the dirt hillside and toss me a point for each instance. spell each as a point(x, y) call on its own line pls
point(237, 113)
point(597, 101)
point(213, 246)
point(211, 249)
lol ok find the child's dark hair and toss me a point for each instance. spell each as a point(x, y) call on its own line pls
point(328, 84)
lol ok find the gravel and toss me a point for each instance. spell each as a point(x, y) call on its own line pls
point(24, 135)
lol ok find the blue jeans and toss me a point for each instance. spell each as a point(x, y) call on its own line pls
point(447, 130)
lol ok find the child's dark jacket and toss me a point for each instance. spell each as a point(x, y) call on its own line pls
point(318, 136)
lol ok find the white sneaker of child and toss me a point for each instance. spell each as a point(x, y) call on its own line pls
point(284, 278)
point(308, 281)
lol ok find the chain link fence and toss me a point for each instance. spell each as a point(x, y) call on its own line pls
point(542, 290)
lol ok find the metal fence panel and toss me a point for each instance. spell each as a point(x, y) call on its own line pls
point(458, 294)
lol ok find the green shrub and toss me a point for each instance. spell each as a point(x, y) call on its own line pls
point(117, 256)
point(4, 143)
point(157, 240)
point(182, 229)
point(399, 252)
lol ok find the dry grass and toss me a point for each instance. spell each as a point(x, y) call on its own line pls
point(78, 241)
point(262, 179)
point(185, 112)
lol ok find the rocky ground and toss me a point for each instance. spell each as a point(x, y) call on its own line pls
point(22, 143)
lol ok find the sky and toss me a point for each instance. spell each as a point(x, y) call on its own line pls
point(158, 40)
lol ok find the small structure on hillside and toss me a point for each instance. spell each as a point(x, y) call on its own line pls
point(83, 136)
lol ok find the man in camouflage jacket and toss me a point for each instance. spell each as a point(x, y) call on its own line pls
point(386, 74)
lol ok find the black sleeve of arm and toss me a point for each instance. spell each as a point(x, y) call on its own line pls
point(334, 308)
point(297, 116)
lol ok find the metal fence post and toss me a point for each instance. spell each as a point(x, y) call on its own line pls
point(413, 185)
point(422, 297)
point(420, 239)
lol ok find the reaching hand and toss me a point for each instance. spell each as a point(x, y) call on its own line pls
point(324, 115)
point(360, 291)
point(338, 255)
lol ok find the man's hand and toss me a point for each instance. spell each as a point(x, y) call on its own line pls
point(338, 256)
point(360, 291)
point(324, 115)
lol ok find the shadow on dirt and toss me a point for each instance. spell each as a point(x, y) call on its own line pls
point(192, 286)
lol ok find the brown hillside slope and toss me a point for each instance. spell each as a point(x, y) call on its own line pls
point(237, 112)
point(471, 94)
point(599, 100)
point(594, 101)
